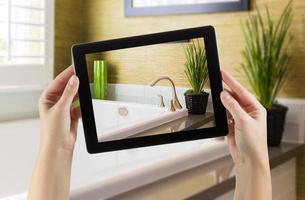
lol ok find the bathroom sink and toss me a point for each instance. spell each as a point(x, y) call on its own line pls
point(117, 120)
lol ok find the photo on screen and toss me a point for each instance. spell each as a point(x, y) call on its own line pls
point(150, 90)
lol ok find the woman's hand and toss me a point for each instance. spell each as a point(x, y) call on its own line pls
point(58, 120)
point(247, 131)
point(247, 140)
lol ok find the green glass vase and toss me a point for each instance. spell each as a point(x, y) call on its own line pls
point(100, 79)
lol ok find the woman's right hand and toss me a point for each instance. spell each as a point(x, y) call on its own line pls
point(247, 123)
point(247, 140)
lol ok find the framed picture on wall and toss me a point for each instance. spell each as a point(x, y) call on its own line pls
point(172, 7)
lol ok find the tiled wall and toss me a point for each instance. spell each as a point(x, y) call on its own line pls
point(144, 93)
point(295, 120)
point(147, 95)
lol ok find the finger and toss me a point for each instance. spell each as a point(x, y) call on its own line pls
point(231, 140)
point(229, 116)
point(231, 122)
point(59, 83)
point(69, 92)
point(75, 115)
point(239, 92)
point(74, 123)
point(233, 106)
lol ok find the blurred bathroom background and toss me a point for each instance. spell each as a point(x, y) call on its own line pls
point(35, 45)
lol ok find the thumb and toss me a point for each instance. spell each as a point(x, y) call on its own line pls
point(69, 92)
point(232, 106)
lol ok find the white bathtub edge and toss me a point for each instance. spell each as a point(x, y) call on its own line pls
point(138, 177)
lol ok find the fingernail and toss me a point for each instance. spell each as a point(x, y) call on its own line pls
point(72, 80)
point(225, 95)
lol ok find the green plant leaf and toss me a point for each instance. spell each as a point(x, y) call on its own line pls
point(266, 60)
point(196, 69)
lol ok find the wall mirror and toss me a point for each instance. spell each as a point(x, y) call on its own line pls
point(143, 102)
point(171, 7)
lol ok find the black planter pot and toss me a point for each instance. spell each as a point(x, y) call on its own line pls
point(196, 103)
point(276, 116)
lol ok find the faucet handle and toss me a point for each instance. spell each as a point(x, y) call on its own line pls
point(176, 103)
point(161, 101)
point(172, 107)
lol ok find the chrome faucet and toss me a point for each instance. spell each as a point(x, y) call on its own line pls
point(175, 102)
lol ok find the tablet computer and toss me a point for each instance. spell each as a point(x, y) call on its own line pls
point(137, 91)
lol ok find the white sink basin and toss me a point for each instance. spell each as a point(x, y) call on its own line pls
point(117, 120)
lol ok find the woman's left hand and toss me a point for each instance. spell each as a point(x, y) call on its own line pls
point(58, 124)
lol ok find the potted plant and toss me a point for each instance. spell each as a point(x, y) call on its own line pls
point(196, 72)
point(266, 65)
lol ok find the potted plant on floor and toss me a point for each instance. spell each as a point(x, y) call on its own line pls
point(196, 72)
point(266, 65)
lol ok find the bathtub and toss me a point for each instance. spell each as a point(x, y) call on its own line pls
point(118, 120)
point(97, 176)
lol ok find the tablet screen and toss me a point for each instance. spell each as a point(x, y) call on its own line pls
point(150, 90)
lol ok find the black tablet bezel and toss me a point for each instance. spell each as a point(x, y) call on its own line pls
point(79, 60)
